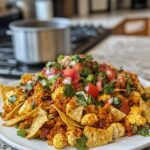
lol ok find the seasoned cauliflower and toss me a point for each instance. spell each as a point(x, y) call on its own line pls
point(72, 139)
point(135, 97)
point(89, 119)
point(25, 108)
point(97, 137)
point(146, 110)
point(104, 97)
point(135, 116)
point(74, 111)
point(58, 93)
point(118, 130)
point(59, 141)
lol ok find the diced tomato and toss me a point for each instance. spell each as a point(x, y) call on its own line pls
point(111, 74)
point(124, 107)
point(121, 81)
point(102, 67)
point(91, 89)
point(78, 67)
point(72, 73)
point(99, 85)
point(54, 71)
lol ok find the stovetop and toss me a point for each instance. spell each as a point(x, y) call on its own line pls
point(82, 37)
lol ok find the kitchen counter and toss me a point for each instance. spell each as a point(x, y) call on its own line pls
point(131, 52)
point(110, 20)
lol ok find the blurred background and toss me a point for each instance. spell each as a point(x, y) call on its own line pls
point(33, 32)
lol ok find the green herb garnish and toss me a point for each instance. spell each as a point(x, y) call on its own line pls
point(81, 100)
point(33, 105)
point(116, 101)
point(12, 99)
point(129, 87)
point(95, 102)
point(86, 71)
point(145, 131)
point(53, 64)
point(21, 132)
point(90, 78)
point(145, 97)
point(1, 114)
point(81, 143)
point(60, 57)
point(68, 90)
point(109, 88)
point(29, 86)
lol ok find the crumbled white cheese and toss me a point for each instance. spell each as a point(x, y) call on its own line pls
point(67, 80)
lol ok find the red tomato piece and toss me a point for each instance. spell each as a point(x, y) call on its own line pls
point(99, 85)
point(54, 71)
point(124, 107)
point(78, 67)
point(111, 74)
point(72, 73)
point(91, 89)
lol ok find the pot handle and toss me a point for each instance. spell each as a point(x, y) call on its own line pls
point(9, 32)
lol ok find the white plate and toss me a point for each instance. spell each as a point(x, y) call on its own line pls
point(8, 134)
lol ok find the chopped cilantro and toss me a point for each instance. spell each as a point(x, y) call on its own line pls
point(76, 58)
point(144, 131)
point(53, 64)
point(81, 100)
point(145, 97)
point(60, 57)
point(29, 86)
point(68, 90)
point(88, 58)
point(95, 102)
point(33, 105)
point(12, 99)
point(39, 76)
point(109, 88)
point(86, 71)
point(1, 114)
point(81, 143)
point(129, 87)
point(21, 132)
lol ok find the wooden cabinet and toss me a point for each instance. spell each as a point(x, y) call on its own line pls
point(133, 26)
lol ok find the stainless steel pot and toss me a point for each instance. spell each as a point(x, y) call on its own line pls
point(40, 41)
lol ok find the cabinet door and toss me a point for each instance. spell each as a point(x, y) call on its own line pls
point(99, 5)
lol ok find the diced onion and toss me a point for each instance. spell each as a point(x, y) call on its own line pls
point(67, 80)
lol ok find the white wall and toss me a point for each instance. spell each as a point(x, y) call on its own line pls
point(99, 5)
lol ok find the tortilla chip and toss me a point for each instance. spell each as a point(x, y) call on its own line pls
point(21, 118)
point(38, 122)
point(5, 89)
point(147, 90)
point(68, 121)
point(10, 114)
point(26, 77)
point(146, 110)
point(117, 113)
point(97, 137)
